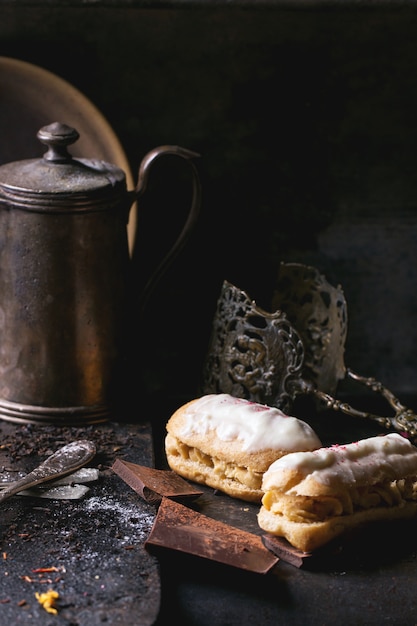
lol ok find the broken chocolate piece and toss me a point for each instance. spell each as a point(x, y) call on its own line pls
point(152, 484)
point(179, 528)
point(284, 550)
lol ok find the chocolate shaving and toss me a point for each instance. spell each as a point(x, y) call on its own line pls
point(285, 551)
point(152, 484)
point(177, 527)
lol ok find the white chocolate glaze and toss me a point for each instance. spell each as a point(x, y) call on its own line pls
point(258, 426)
point(363, 462)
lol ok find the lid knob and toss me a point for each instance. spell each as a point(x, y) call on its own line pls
point(57, 137)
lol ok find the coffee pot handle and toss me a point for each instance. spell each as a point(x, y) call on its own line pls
point(192, 216)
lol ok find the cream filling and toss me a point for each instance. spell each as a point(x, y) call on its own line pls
point(222, 469)
point(298, 508)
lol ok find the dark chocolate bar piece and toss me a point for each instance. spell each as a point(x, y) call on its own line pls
point(178, 527)
point(284, 550)
point(152, 484)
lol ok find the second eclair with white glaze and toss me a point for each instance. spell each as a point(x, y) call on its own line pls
point(312, 497)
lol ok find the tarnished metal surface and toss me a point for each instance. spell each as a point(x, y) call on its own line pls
point(253, 354)
point(65, 284)
point(319, 313)
point(298, 349)
point(67, 459)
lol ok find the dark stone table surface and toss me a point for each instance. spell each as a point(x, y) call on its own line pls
point(93, 547)
point(99, 565)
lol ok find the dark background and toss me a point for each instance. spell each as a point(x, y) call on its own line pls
point(305, 119)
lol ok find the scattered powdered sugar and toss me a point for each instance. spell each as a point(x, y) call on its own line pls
point(133, 521)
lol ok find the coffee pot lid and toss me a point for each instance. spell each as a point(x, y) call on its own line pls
point(59, 182)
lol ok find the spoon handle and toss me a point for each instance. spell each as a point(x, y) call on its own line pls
point(62, 462)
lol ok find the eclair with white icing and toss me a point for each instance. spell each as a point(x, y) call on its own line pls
point(228, 443)
point(312, 497)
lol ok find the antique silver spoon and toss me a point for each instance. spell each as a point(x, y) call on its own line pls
point(64, 461)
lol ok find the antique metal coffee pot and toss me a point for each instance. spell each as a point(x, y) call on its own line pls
point(64, 279)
